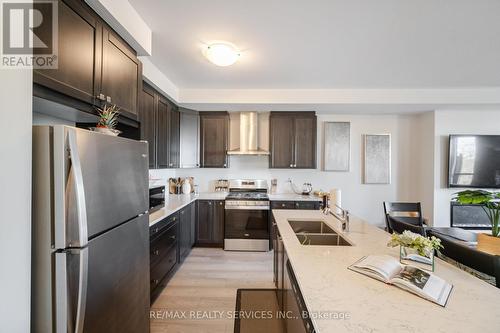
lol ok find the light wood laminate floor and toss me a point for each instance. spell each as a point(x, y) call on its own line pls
point(207, 282)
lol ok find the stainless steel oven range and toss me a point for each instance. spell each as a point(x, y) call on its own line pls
point(246, 225)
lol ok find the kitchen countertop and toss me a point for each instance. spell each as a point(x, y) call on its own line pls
point(328, 286)
point(176, 202)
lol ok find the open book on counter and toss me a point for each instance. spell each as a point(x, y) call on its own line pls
point(415, 280)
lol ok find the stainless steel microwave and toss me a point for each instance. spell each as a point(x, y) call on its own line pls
point(156, 198)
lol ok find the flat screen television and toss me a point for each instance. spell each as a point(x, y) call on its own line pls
point(474, 161)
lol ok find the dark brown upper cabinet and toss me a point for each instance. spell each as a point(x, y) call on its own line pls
point(95, 66)
point(292, 140)
point(159, 119)
point(174, 136)
point(214, 127)
point(121, 74)
point(80, 43)
point(281, 141)
point(163, 138)
point(147, 118)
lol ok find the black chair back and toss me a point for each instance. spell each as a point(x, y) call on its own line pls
point(398, 225)
point(480, 261)
point(407, 212)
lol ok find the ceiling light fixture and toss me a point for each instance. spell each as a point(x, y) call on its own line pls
point(221, 53)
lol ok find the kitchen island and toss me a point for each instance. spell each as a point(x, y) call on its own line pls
point(352, 302)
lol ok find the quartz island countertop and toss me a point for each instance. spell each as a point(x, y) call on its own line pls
point(368, 305)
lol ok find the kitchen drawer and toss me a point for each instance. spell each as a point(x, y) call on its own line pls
point(163, 266)
point(160, 246)
point(157, 229)
point(282, 205)
point(295, 205)
point(311, 205)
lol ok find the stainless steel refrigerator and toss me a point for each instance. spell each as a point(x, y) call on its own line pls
point(90, 253)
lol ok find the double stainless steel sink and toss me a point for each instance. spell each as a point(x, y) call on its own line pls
point(316, 233)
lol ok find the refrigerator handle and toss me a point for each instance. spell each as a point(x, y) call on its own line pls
point(79, 190)
point(66, 321)
point(82, 289)
point(61, 289)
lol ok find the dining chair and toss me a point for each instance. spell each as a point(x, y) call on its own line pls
point(407, 212)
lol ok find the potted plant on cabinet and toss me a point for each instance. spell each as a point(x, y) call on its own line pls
point(108, 119)
point(490, 202)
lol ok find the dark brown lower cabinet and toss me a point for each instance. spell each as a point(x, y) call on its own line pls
point(210, 223)
point(163, 254)
point(186, 224)
point(171, 240)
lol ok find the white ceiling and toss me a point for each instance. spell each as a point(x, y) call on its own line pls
point(325, 44)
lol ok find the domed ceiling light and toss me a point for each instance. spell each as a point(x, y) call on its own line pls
point(221, 53)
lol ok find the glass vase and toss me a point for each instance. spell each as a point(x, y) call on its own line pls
point(410, 256)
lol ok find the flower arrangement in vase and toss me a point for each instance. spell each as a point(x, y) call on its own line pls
point(415, 249)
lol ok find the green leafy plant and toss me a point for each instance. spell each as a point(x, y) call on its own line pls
point(423, 245)
point(108, 116)
point(489, 201)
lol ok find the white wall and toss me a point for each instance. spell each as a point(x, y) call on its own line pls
point(157, 79)
point(125, 20)
point(455, 122)
point(362, 200)
point(417, 159)
point(15, 199)
point(160, 176)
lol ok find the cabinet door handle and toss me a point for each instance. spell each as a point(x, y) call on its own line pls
point(156, 252)
point(101, 97)
point(246, 235)
point(156, 230)
point(108, 99)
point(225, 165)
point(283, 205)
point(295, 165)
point(172, 237)
point(220, 203)
point(291, 165)
point(155, 281)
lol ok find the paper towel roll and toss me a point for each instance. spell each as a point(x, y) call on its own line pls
point(335, 200)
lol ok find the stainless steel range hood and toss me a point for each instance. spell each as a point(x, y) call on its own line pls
point(253, 140)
